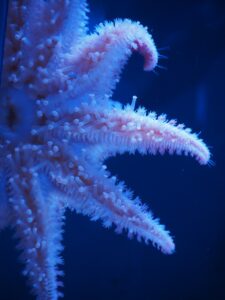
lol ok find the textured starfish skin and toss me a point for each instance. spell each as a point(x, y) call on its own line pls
point(58, 123)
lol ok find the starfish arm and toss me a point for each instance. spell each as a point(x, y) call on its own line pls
point(104, 53)
point(32, 23)
point(37, 217)
point(52, 79)
point(113, 205)
point(12, 53)
point(129, 130)
point(92, 192)
point(44, 20)
point(29, 23)
point(101, 198)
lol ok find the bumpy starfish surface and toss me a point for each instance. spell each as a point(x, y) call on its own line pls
point(58, 124)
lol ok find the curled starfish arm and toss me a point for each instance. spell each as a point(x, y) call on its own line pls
point(104, 53)
point(100, 197)
point(38, 217)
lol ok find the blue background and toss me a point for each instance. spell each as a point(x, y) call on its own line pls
point(188, 198)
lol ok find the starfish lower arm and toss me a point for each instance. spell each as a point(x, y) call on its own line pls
point(38, 226)
point(100, 197)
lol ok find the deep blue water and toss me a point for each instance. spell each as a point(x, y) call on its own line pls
point(188, 198)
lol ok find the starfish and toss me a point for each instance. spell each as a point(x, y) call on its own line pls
point(59, 123)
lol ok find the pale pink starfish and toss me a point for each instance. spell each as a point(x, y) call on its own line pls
point(58, 124)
